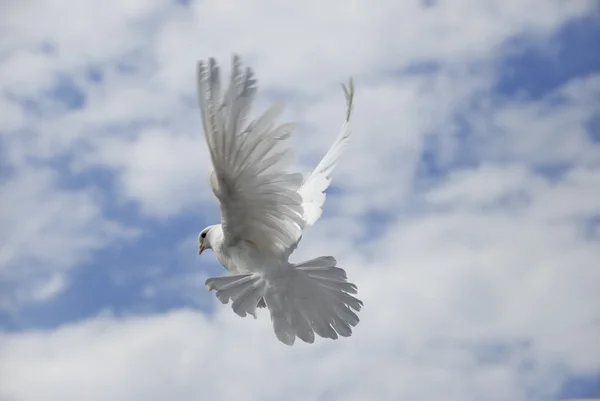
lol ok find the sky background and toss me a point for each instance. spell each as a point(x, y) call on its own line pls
point(466, 209)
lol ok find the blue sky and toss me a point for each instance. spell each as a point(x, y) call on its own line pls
point(466, 208)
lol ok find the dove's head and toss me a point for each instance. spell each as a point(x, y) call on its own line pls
point(207, 237)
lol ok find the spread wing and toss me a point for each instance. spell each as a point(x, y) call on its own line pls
point(259, 201)
point(314, 186)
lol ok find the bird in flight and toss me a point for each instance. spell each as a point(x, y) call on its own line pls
point(264, 210)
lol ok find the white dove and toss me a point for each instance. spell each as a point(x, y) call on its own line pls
point(263, 212)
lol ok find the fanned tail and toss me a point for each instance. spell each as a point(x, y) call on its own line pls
point(307, 298)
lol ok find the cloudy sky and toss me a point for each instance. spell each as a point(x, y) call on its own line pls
point(467, 208)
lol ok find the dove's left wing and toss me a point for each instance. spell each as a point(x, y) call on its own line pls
point(314, 186)
point(316, 183)
point(259, 201)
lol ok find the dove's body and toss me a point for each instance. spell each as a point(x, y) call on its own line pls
point(263, 212)
point(241, 257)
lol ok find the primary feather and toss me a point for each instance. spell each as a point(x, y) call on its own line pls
point(263, 212)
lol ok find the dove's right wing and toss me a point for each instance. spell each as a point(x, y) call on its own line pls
point(259, 201)
point(314, 186)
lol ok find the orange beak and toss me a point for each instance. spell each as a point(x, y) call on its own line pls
point(202, 248)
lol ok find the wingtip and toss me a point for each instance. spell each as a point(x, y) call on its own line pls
point(349, 94)
point(200, 68)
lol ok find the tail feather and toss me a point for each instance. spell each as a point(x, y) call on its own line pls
point(332, 273)
point(306, 299)
point(323, 317)
point(248, 301)
point(303, 327)
point(349, 300)
point(337, 286)
point(246, 290)
point(224, 283)
point(322, 262)
point(317, 316)
point(347, 315)
point(341, 326)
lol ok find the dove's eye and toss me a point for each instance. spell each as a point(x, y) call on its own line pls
point(203, 235)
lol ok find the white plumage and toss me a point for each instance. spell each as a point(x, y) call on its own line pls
point(263, 212)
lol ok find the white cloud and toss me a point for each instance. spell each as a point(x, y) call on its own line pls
point(26, 72)
point(50, 288)
point(46, 229)
point(464, 304)
point(76, 34)
point(458, 302)
point(36, 218)
point(551, 130)
point(161, 169)
point(307, 54)
point(485, 185)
